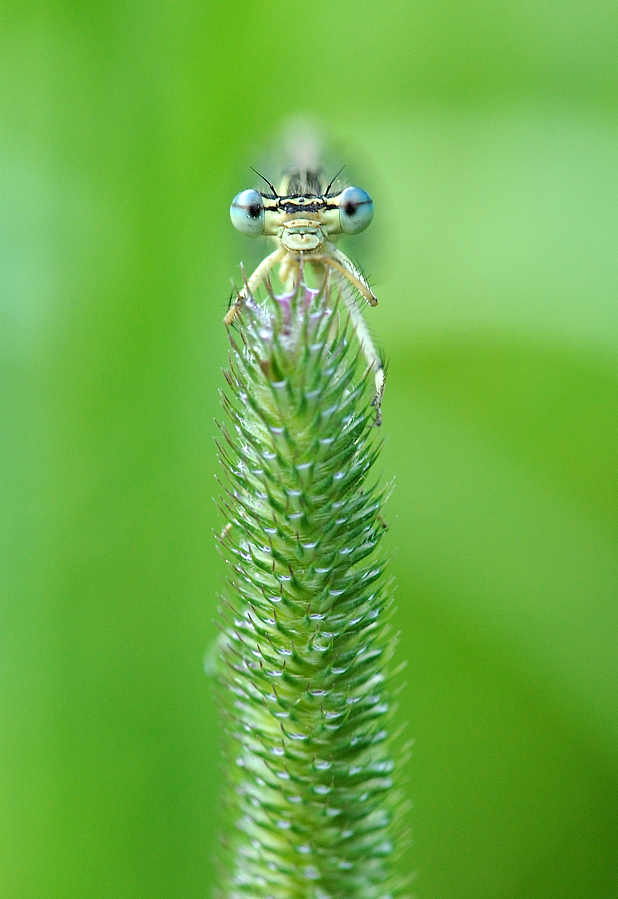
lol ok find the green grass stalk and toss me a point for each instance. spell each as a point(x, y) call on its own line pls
point(305, 649)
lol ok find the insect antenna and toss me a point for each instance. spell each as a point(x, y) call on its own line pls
point(259, 174)
point(327, 191)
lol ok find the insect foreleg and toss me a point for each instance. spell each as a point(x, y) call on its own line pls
point(365, 340)
point(253, 283)
point(342, 264)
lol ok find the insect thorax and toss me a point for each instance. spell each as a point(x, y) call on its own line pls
point(302, 184)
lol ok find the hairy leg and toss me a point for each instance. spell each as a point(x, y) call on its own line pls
point(364, 338)
point(253, 283)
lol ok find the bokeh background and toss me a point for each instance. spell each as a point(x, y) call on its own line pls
point(487, 134)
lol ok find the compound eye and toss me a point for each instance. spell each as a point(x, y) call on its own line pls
point(355, 210)
point(247, 212)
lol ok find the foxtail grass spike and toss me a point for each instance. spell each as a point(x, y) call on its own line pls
point(305, 649)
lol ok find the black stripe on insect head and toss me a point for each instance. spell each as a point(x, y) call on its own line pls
point(305, 207)
point(320, 204)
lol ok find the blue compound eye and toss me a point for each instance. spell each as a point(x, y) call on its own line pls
point(355, 210)
point(247, 212)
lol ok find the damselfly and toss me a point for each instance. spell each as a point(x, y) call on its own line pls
point(305, 217)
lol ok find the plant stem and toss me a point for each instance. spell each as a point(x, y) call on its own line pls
point(305, 645)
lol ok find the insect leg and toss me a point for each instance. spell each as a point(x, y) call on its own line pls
point(342, 264)
point(253, 283)
point(364, 338)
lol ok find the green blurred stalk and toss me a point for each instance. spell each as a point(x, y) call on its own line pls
point(305, 646)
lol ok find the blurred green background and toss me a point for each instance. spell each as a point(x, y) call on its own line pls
point(487, 134)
